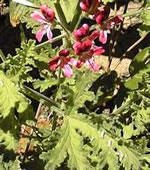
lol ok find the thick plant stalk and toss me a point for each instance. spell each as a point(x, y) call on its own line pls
point(38, 96)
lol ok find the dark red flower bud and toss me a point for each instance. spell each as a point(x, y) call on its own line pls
point(80, 47)
point(53, 64)
point(87, 45)
point(77, 47)
point(100, 18)
point(89, 6)
point(102, 15)
point(47, 12)
point(81, 32)
point(64, 52)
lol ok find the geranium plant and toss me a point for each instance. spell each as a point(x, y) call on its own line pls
point(88, 117)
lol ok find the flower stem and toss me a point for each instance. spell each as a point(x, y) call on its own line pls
point(53, 40)
point(63, 27)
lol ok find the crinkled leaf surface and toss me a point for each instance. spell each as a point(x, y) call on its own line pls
point(71, 143)
point(10, 97)
point(44, 84)
point(138, 68)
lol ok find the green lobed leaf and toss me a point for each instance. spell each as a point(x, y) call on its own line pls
point(79, 93)
point(11, 165)
point(138, 68)
point(70, 143)
point(128, 131)
point(44, 84)
point(8, 140)
point(145, 16)
point(130, 159)
point(10, 97)
point(19, 66)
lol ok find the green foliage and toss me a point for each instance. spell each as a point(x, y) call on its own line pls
point(75, 92)
point(43, 85)
point(69, 8)
point(13, 99)
point(70, 143)
point(74, 130)
point(11, 165)
point(138, 68)
point(145, 17)
point(107, 1)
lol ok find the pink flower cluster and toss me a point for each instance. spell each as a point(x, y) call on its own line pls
point(100, 15)
point(83, 46)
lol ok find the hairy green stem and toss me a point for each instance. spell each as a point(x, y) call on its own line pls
point(5, 60)
point(53, 40)
point(38, 96)
point(54, 123)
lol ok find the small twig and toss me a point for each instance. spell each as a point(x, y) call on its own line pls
point(32, 130)
point(130, 48)
point(113, 44)
point(136, 43)
point(38, 111)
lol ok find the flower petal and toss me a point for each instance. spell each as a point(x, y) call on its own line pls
point(54, 63)
point(67, 70)
point(73, 61)
point(38, 17)
point(98, 50)
point(47, 12)
point(91, 63)
point(40, 34)
point(94, 35)
point(83, 6)
point(49, 33)
point(114, 21)
point(103, 36)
